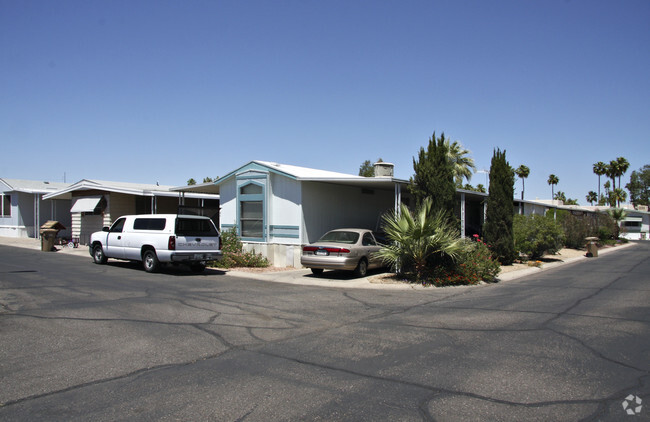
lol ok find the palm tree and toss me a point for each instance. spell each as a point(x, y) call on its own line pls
point(600, 169)
point(618, 196)
point(613, 169)
point(623, 165)
point(522, 172)
point(418, 236)
point(463, 165)
point(591, 197)
point(552, 180)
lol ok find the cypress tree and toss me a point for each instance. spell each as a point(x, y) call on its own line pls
point(434, 177)
point(499, 214)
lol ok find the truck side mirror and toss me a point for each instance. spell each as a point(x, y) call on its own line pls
point(105, 229)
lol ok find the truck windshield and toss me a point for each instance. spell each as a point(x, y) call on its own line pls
point(195, 227)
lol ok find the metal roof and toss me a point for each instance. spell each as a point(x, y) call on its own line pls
point(303, 174)
point(32, 186)
point(138, 189)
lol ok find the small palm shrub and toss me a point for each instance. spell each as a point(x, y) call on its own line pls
point(419, 240)
point(536, 235)
point(234, 255)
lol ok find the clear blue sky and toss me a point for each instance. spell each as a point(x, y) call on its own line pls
point(148, 91)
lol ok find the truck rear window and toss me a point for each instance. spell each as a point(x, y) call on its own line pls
point(149, 223)
point(195, 227)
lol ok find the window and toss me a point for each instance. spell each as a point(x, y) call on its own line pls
point(149, 223)
point(251, 189)
point(6, 206)
point(252, 219)
point(118, 226)
point(368, 240)
point(251, 209)
point(195, 227)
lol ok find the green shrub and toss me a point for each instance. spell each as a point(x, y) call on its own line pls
point(233, 254)
point(536, 235)
point(473, 265)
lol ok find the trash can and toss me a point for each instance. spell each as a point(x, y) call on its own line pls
point(48, 232)
point(592, 247)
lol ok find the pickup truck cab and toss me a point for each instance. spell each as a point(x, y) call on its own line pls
point(158, 238)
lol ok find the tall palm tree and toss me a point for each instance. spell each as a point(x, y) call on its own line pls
point(613, 169)
point(623, 165)
point(463, 165)
point(591, 197)
point(522, 172)
point(600, 169)
point(552, 180)
point(618, 196)
point(418, 236)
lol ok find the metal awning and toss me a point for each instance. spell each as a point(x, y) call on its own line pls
point(87, 204)
point(635, 219)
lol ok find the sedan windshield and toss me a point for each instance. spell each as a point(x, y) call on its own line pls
point(340, 237)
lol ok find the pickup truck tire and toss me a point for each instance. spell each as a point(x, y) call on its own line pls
point(150, 261)
point(317, 271)
point(98, 255)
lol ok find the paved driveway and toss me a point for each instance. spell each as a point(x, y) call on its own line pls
point(80, 341)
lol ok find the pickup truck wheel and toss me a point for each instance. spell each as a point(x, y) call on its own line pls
point(362, 268)
point(317, 271)
point(98, 255)
point(197, 268)
point(150, 261)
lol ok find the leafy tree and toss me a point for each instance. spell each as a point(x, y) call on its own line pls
point(591, 197)
point(552, 180)
point(434, 176)
point(522, 172)
point(367, 169)
point(419, 239)
point(463, 166)
point(571, 201)
point(210, 179)
point(480, 188)
point(499, 215)
point(560, 196)
point(191, 182)
point(600, 169)
point(639, 186)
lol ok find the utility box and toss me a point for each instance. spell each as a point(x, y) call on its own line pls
point(48, 232)
point(592, 247)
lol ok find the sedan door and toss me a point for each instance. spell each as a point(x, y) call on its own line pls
point(370, 247)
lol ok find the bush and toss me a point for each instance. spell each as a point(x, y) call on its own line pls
point(536, 235)
point(233, 254)
point(473, 265)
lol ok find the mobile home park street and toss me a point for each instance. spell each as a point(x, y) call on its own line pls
point(80, 341)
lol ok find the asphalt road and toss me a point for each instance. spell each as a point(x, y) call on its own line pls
point(79, 341)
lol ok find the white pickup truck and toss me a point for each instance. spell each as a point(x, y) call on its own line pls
point(158, 238)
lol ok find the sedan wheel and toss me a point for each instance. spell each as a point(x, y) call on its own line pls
point(362, 268)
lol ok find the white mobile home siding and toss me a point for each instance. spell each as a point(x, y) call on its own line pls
point(284, 210)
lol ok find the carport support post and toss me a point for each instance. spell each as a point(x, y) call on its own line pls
point(398, 199)
point(462, 214)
